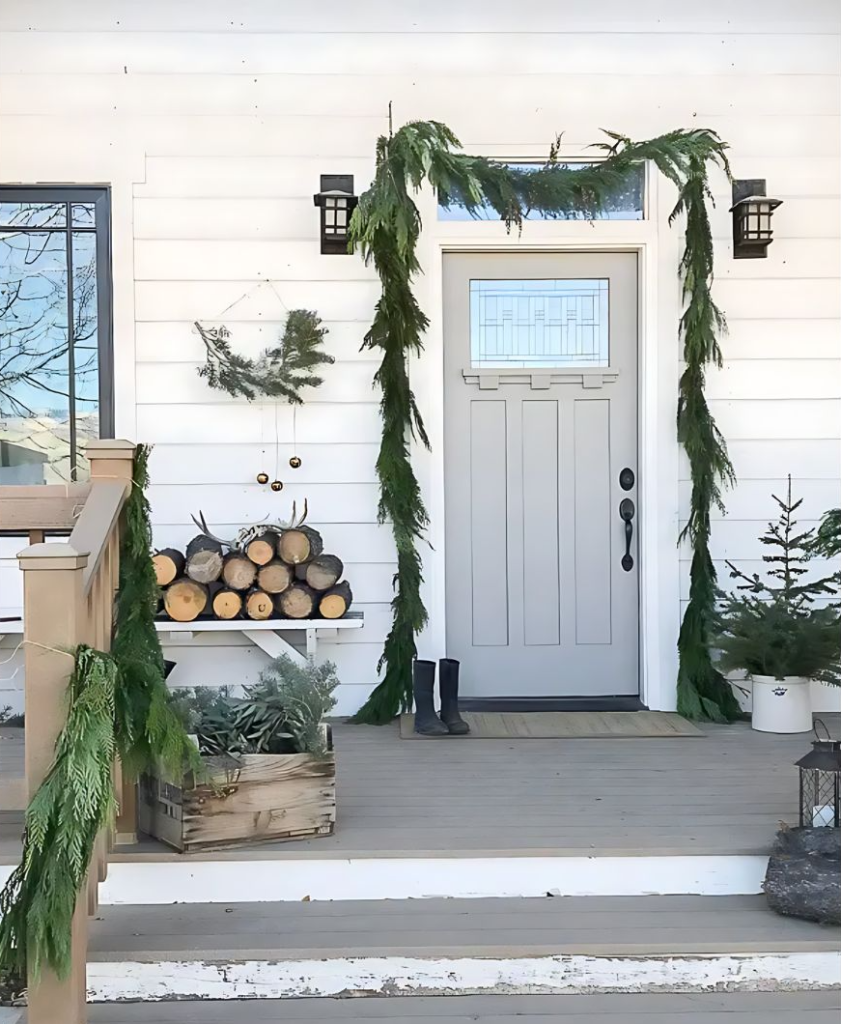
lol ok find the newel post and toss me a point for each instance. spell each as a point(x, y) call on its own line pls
point(111, 459)
point(54, 621)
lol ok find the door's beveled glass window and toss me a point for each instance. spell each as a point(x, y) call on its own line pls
point(539, 323)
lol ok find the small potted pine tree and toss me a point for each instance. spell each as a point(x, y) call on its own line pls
point(774, 630)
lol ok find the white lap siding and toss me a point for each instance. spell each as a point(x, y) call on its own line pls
point(212, 124)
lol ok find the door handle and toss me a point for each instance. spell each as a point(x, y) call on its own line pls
point(626, 514)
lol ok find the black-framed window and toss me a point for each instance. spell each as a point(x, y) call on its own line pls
point(56, 355)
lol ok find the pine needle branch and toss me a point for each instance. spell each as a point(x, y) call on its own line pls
point(72, 805)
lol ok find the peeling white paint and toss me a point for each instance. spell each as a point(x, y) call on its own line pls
point(405, 976)
point(254, 881)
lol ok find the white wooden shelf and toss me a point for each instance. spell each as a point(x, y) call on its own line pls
point(353, 620)
point(263, 634)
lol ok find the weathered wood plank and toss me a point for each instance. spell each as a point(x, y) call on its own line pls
point(478, 927)
point(723, 794)
point(713, 1008)
point(259, 797)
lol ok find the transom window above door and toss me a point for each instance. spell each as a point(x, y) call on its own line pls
point(539, 323)
point(627, 203)
point(55, 331)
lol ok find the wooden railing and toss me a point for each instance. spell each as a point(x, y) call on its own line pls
point(68, 599)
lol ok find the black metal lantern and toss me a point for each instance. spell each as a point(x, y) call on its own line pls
point(820, 782)
point(337, 203)
point(752, 211)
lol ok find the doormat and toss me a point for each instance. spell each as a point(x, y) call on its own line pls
point(566, 725)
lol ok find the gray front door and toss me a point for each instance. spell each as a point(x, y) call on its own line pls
point(540, 422)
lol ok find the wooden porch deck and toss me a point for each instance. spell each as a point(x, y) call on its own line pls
point(713, 1008)
point(725, 793)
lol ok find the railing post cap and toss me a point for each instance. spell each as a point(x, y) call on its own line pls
point(109, 448)
point(52, 556)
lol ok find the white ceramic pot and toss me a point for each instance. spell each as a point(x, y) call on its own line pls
point(782, 705)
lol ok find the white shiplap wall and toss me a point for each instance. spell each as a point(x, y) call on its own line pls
point(212, 123)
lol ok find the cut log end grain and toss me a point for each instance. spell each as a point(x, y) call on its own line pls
point(275, 577)
point(335, 602)
point(300, 545)
point(185, 600)
point(204, 559)
point(297, 602)
point(324, 572)
point(262, 549)
point(259, 605)
point(169, 565)
point(238, 571)
point(227, 604)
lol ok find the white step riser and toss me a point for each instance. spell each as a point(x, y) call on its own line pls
point(230, 881)
point(189, 880)
point(401, 976)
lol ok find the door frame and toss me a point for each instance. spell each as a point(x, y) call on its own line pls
point(658, 251)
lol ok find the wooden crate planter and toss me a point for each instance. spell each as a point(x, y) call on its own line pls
point(262, 797)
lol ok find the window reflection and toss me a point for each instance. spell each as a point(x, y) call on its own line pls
point(49, 340)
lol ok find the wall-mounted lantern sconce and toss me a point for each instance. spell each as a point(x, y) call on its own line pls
point(752, 211)
point(337, 203)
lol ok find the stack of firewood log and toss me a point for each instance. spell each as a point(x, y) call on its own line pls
point(280, 572)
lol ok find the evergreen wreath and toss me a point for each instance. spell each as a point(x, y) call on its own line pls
point(280, 372)
point(74, 802)
point(386, 226)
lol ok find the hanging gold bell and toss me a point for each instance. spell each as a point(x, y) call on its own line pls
point(295, 462)
point(262, 478)
point(277, 485)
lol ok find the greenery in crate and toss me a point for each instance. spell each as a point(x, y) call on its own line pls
point(281, 714)
point(772, 626)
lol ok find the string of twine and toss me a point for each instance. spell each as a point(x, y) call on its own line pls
point(31, 643)
point(245, 295)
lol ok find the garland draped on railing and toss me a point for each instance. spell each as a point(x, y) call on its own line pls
point(72, 805)
point(386, 227)
point(117, 705)
point(149, 732)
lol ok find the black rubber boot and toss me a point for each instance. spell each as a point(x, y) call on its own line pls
point(448, 681)
point(427, 723)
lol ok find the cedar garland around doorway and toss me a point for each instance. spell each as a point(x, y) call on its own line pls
point(386, 226)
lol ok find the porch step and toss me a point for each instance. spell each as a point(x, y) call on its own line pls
point(442, 947)
point(713, 1008)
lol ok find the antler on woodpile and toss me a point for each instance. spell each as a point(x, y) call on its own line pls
point(201, 523)
point(248, 533)
point(295, 521)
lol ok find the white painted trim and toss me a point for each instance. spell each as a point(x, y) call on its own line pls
point(415, 976)
point(188, 880)
point(657, 246)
